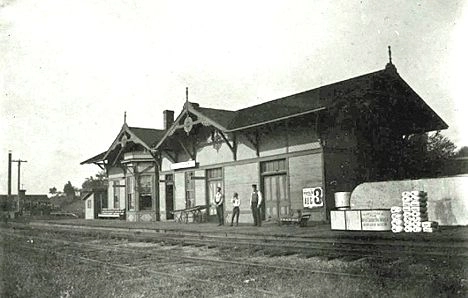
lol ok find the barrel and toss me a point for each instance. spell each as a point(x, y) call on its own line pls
point(342, 200)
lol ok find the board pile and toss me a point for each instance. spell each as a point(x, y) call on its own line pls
point(412, 217)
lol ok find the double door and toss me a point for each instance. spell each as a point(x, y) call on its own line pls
point(211, 192)
point(277, 202)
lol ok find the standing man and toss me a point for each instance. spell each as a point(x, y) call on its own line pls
point(255, 202)
point(235, 210)
point(219, 201)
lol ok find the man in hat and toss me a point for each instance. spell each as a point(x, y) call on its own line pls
point(255, 203)
point(219, 202)
point(235, 209)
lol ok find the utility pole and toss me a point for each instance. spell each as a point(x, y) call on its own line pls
point(9, 174)
point(19, 161)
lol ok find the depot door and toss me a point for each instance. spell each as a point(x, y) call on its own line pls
point(169, 196)
point(277, 203)
point(214, 179)
point(274, 188)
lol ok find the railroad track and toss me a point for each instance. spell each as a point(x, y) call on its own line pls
point(93, 253)
point(310, 247)
point(165, 260)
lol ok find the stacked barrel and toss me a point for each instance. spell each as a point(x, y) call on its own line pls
point(397, 219)
point(414, 210)
point(412, 216)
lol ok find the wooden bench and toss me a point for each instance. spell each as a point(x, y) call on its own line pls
point(112, 213)
point(300, 220)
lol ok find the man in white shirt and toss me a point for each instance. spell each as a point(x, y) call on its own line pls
point(255, 202)
point(219, 202)
point(235, 209)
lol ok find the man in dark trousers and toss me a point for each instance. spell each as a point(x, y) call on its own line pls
point(255, 202)
point(235, 209)
point(219, 202)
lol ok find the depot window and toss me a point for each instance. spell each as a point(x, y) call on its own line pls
point(146, 192)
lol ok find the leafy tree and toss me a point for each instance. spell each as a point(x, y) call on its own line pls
point(463, 152)
point(53, 190)
point(69, 190)
point(425, 155)
point(99, 181)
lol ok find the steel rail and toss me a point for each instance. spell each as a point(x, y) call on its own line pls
point(127, 268)
point(205, 260)
point(334, 248)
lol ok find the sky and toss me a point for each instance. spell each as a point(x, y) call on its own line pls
point(70, 68)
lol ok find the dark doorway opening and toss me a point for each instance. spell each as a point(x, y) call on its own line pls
point(169, 196)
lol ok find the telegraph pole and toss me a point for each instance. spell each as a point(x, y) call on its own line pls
point(19, 161)
point(9, 174)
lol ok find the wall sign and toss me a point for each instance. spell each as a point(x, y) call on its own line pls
point(183, 165)
point(376, 220)
point(312, 197)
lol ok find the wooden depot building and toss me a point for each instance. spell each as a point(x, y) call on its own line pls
point(298, 149)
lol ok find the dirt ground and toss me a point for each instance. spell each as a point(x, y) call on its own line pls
point(34, 267)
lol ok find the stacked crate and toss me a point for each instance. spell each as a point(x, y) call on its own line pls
point(397, 219)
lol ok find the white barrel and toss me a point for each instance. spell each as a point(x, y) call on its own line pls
point(397, 216)
point(342, 200)
point(396, 209)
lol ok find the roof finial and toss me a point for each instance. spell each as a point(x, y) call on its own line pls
point(125, 117)
point(390, 54)
point(390, 67)
point(186, 94)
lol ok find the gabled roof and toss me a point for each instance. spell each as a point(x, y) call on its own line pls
point(147, 137)
point(301, 103)
point(419, 116)
point(222, 117)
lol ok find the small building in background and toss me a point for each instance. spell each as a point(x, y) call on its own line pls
point(95, 201)
point(24, 204)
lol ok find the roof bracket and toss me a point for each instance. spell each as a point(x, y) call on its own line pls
point(191, 154)
point(254, 140)
point(233, 147)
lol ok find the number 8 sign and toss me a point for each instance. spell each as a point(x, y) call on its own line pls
point(312, 197)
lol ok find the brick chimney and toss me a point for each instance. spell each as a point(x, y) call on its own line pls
point(168, 118)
